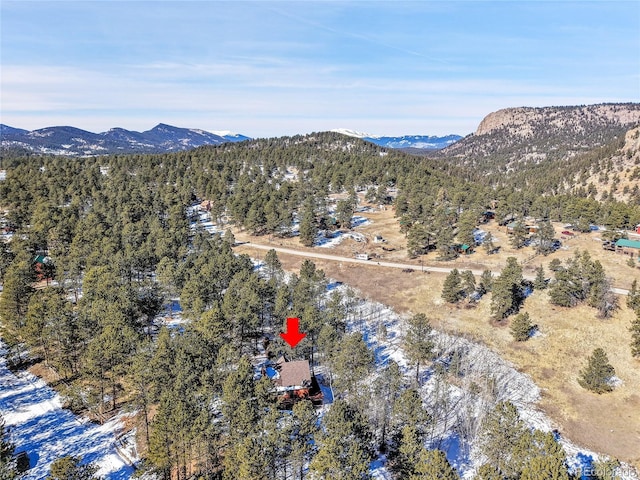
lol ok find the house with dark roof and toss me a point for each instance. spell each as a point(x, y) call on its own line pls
point(294, 381)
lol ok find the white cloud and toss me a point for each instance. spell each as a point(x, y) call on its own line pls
point(263, 97)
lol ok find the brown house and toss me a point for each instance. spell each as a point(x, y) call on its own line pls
point(296, 382)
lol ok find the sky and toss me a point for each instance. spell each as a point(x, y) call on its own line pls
point(274, 68)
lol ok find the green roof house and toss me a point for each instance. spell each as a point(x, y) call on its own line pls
point(628, 247)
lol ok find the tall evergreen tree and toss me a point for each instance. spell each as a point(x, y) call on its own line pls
point(502, 438)
point(519, 235)
point(597, 373)
point(488, 244)
point(344, 212)
point(507, 292)
point(345, 447)
point(433, 465)
point(635, 335)
point(544, 237)
point(452, 287)
point(486, 282)
point(540, 282)
point(418, 344)
point(303, 432)
point(273, 265)
point(468, 283)
point(308, 226)
point(544, 458)
point(633, 297)
point(7, 463)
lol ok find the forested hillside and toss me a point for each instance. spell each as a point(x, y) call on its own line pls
point(117, 231)
point(579, 150)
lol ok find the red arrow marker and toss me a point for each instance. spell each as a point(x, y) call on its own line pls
point(293, 334)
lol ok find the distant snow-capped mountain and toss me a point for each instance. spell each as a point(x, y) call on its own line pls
point(75, 142)
point(425, 142)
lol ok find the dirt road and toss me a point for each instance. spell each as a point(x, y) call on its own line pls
point(338, 258)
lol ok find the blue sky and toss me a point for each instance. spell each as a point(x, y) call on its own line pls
point(273, 68)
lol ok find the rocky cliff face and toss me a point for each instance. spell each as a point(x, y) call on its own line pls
point(525, 122)
point(536, 134)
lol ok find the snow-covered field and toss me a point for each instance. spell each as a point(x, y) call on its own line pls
point(38, 425)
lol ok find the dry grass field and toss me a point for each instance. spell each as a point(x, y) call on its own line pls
point(607, 423)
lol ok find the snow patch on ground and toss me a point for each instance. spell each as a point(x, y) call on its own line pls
point(39, 425)
point(460, 414)
point(335, 238)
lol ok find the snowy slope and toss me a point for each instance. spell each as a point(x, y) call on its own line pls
point(39, 425)
point(460, 413)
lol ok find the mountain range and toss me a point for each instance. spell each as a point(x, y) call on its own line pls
point(421, 142)
point(164, 138)
point(76, 142)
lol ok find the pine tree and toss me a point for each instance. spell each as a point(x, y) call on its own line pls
point(239, 407)
point(452, 287)
point(466, 226)
point(519, 235)
point(555, 265)
point(433, 465)
point(303, 431)
point(633, 297)
point(71, 468)
point(507, 293)
point(502, 436)
point(344, 212)
point(410, 447)
point(386, 391)
point(635, 335)
point(7, 463)
point(352, 362)
point(566, 290)
point(487, 243)
point(245, 460)
point(14, 301)
point(273, 265)
point(521, 327)
point(598, 372)
point(345, 446)
point(308, 227)
point(488, 472)
point(544, 458)
point(418, 344)
point(468, 283)
point(408, 410)
point(486, 282)
point(540, 282)
point(545, 236)
point(417, 240)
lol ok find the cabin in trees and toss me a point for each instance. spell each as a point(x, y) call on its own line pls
point(42, 267)
point(463, 248)
point(294, 381)
point(628, 247)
